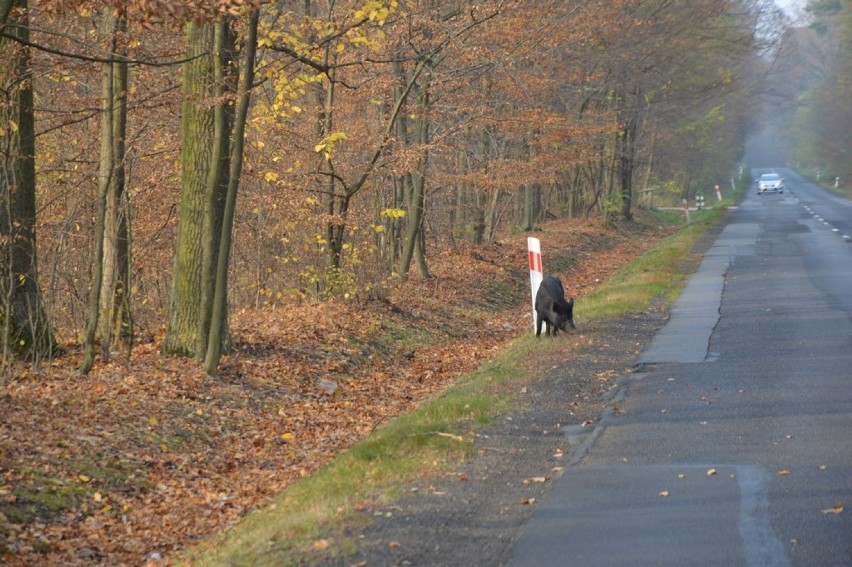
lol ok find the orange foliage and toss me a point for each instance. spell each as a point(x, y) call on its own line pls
point(155, 456)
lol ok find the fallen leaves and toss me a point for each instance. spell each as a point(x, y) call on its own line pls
point(149, 458)
point(838, 509)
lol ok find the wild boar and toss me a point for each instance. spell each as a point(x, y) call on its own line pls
point(551, 308)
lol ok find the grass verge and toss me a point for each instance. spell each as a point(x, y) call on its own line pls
point(309, 519)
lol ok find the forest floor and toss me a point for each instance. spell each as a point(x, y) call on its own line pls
point(133, 463)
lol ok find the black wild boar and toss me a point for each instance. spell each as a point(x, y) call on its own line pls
point(551, 308)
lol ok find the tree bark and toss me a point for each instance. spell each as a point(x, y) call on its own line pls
point(115, 321)
point(203, 187)
point(418, 190)
point(104, 181)
point(26, 329)
point(220, 298)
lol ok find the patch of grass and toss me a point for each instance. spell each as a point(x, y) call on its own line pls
point(419, 443)
point(401, 334)
point(658, 275)
point(296, 529)
point(41, 496)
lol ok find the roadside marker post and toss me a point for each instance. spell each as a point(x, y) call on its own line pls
point(536, 275)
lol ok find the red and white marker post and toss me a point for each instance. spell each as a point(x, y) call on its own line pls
point(536, 273)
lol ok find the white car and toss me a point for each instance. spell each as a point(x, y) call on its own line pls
point(770, 182)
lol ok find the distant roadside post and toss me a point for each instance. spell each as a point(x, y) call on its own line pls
point(536, 275)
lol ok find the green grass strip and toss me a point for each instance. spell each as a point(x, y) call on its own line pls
point(296, 528)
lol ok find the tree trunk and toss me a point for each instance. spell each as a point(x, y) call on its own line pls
point(26, 329)
point(529, 193)
point(114, 322)
point(627, 162)
point(105, 182)
point(220, 298)
point(418, 189)
point(203, 186)
point(218, 178)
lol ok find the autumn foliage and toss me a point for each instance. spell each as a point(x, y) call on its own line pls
point(383, 139)
point(133, 463)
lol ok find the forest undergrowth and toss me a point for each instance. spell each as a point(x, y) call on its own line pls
point(139, 459)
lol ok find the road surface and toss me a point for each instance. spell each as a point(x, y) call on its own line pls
point(732, 443)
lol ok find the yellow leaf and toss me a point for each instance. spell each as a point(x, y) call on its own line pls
point(84, 478)
point(13, 126)
point(271, 177)
point(288, 436)
point(153, 420)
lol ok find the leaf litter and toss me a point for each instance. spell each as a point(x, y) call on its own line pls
point(132, 463)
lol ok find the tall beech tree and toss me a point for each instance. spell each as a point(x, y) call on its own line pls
point(217, 333)
point(208, 87)
point(115, 323)
point(26, 329)
point(109, 313)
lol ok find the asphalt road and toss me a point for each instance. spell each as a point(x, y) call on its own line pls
point(732, 443)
